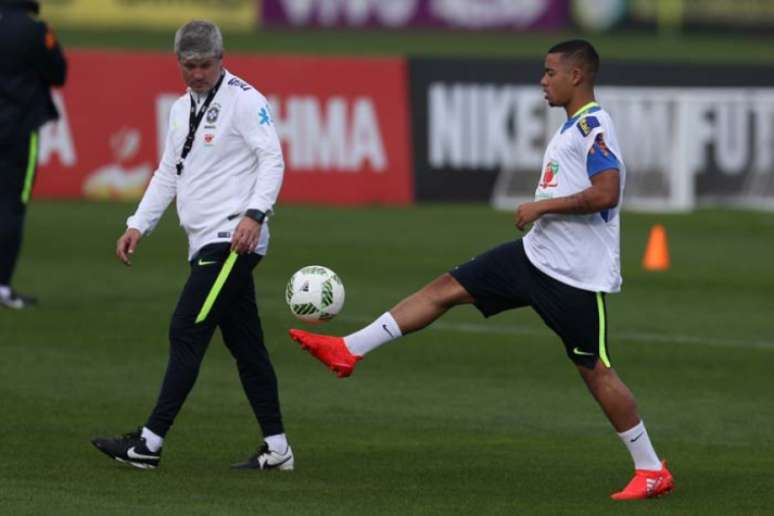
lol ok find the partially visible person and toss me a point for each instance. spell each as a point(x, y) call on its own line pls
point(31, 62)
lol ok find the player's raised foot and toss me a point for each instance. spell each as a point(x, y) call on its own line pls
point(647, 484)
point(266, 459)
point(331, 351)
point(129, 449)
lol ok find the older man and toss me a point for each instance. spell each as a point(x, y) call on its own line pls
point(223, 163)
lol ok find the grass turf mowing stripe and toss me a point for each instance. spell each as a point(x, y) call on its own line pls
point(500, 329)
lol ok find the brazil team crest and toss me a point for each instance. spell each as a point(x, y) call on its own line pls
point(212, 113)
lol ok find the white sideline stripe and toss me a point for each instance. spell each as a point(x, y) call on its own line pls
point(635, 336)
point(493, 329)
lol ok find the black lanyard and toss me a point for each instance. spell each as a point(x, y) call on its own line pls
point(193, 124)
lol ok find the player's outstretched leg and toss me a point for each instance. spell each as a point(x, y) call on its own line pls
point(415, 312)
point(651, 476)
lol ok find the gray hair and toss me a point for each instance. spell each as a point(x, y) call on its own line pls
point(198, 39)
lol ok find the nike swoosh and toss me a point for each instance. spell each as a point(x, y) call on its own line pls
point(638, 436)
point(202, 263)
point(134, 455)
point(579, 352)
point(384, 327)
point(266, 464)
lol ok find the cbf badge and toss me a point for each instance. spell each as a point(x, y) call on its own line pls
point(212, 113)
point(587, 124)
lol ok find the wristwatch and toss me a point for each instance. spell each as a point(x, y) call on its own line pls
point(256, 215)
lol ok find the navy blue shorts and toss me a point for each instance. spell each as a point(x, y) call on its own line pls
point(503, 278)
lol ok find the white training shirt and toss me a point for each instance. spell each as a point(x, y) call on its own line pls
point(235, 164)
point(582, 251)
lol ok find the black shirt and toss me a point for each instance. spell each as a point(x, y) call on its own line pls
point(31, 61)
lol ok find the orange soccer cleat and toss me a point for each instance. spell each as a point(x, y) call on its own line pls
point(647, 484)
point(331, 351)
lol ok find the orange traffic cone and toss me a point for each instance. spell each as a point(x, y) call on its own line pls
point(657, 252)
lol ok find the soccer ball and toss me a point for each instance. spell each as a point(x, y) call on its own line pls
point(315, 294)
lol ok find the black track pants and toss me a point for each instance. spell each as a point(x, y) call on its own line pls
point(219, 293)
point(18, 161)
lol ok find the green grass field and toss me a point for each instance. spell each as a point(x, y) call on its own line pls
point(467, 417)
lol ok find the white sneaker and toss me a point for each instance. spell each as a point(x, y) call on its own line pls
point(265, 458)
point(17, 301)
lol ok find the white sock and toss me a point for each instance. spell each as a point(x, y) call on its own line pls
point(637, 441)
point(152, 441)
point(277, 443)
point(381, 331)
point(5, 291)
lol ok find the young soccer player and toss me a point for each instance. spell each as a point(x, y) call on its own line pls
point(562, 268)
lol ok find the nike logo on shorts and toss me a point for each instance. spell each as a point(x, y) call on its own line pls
point(582, 353)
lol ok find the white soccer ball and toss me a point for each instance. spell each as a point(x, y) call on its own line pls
point(315, 294)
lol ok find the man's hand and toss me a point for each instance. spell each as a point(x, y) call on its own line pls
point(527, 213)
point(245, 237)
point(127, 244)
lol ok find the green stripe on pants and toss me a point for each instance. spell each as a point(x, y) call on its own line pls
point(215, 290)
point(31, 163)
point(602, 329)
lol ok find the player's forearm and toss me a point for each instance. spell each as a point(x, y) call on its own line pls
point(159, 194)
point(590, 200)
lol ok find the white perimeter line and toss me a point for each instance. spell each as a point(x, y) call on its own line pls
point(499, 329)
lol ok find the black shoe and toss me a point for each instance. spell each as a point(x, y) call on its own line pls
point(267, 459)
point(130, 449)
point(17, 301)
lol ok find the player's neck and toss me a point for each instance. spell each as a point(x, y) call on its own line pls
point(576, 106)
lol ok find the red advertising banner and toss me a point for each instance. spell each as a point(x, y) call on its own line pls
point(343, 123)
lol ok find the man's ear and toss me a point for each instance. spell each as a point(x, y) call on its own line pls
point(577, 75)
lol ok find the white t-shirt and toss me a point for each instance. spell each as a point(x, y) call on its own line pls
point(235, 164)
point(582, 251)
